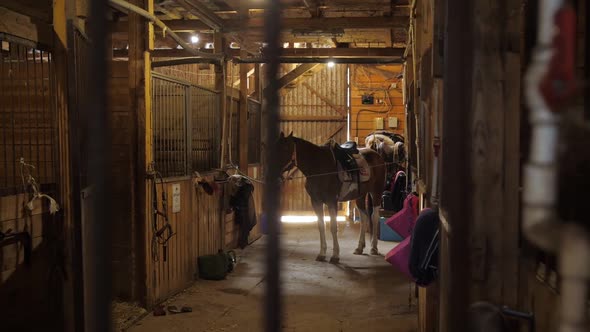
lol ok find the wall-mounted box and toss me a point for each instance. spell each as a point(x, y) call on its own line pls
point(378, 123)
point(392, 122)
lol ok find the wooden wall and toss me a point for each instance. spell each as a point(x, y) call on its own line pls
point(29, 288)
point(197, 74)
point(376, 79)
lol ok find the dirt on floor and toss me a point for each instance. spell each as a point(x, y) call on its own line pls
point(361, 293)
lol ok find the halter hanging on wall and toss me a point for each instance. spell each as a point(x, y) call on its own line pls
point(161, 235)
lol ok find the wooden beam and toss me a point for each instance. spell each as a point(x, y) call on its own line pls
point(324, 99)
point(243, 117)
point(295, 74)
point(203, 13)
point(222, 88)
point(312, 6)
point(171, 13)
point(256, 24)
point(24, 27)
point(35, 9)
point(336, 131)
point(139, 67)
point(288, 52)
point(312, 118)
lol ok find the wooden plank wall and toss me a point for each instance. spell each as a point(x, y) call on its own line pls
point(197, 74)
point(375, 79)
point(198, 231)
point(36, 289)
point(172, 269)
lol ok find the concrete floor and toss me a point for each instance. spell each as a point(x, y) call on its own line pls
point(362, 293)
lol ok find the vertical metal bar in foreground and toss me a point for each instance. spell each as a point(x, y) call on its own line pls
point(271, 190)
point(97, 233)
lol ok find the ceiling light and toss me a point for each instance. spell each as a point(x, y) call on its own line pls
point(331, 64)
point(194, 39)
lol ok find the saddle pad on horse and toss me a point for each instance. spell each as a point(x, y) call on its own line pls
point(350, 184)
point(364, 170)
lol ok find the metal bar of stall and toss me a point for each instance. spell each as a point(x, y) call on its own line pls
point(97, 234)
point(272, 192)
point(13, 121)
point(4, 123)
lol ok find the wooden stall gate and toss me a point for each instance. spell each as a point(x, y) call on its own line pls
point(186, 122)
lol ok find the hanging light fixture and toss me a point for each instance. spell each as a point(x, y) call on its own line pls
point(194, 39)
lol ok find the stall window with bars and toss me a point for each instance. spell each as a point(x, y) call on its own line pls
point(234, 148)
point(186, 121)
point(27, 114)
point(205, 133)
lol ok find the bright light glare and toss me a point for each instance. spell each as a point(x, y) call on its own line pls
point(194, 39)
point(331, 64)
point(307, 219)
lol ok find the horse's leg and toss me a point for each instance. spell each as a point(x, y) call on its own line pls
point(318, 207)
point(360, 204)
point(376, 199)
point(332, 209)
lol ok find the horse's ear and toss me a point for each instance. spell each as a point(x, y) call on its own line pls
point(282, 135)
point(291, 134)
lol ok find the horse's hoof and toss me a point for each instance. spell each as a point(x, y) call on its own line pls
point(334, 260)
point(358, 251)
point(374, 251)
point(320, 258)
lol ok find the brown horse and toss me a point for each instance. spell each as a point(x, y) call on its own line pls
point(319, 165)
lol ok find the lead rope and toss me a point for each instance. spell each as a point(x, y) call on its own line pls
point(162, 235)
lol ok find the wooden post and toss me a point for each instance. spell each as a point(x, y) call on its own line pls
point(220, 76)
point(257, 82)
point(481, 132)
point(455, 205)
point(139, 65)
point(243, 117)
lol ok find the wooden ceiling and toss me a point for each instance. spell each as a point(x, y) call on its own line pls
point(306, 23)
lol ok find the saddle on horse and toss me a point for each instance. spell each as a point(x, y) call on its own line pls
point(345, 153)
point(353, 168)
